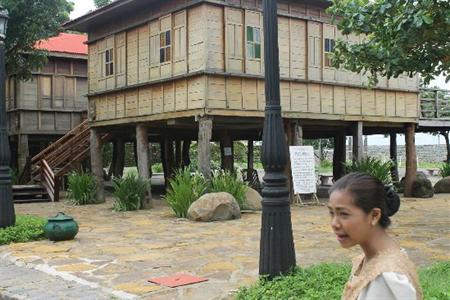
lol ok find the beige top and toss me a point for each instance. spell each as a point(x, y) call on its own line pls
point(363, 273)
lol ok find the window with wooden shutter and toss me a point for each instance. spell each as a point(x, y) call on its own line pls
point(328, 49)
point(234, 38)
point(253, 42)
point(109, 62)
point(165, 46)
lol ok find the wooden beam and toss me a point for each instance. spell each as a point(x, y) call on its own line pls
point(204, 147)
point(97, 163)
point(411, 159)
point(358, 141)
point(143, 165)
point(339, 155)
point(393, 155)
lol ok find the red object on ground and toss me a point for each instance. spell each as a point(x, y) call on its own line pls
point(177, 280)
point(65, 43)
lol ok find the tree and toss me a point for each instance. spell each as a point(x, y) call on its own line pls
point(100, 3)
point(29, 22)
point(401, 36)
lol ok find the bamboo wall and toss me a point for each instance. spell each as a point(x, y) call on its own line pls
point(211, 68)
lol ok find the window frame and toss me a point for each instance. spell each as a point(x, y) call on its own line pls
point(253, 44)
point(108, 63)
point(328, 47)
point(166, 48)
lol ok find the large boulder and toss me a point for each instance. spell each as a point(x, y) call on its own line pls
point(214, 207)
point(443, 185)
point(252, 200)
point(421, 187)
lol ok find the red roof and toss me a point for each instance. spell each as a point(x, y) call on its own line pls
point(65, 43)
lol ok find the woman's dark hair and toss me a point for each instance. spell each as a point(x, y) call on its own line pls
point(368, 193)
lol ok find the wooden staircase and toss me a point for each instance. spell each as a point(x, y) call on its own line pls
point(49, 166)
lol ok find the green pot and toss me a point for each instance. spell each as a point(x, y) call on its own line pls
point(61, 228)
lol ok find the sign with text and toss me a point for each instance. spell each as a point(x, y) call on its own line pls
point(303, 169)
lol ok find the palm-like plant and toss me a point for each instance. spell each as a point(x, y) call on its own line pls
point(372, 166)
point(225, 181)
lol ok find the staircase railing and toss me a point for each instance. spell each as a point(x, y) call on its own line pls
point(49, 181)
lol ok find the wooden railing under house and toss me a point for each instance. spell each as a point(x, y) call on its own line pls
point(434, 104)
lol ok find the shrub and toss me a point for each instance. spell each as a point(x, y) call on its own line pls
point(323, 281)
point(326, 281)
point(183, 190)
point(157, 168)
point(82, 188)
point(444, 170)
point(27, 228)
point(225, 181)
point(372, 166)
point(129, 192)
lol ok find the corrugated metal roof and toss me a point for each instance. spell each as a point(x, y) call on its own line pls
point(65, 43)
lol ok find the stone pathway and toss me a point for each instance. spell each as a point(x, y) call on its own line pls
point(114, 254)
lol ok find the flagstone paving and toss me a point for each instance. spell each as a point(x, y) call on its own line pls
point(115, 253)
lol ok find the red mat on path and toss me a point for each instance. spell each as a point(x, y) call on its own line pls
point(177, 280)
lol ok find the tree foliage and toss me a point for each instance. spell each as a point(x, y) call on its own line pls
point(29, 22)
point(401, 36)
point(100, 3)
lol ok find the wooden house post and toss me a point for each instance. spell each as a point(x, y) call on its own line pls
point(23, 151)
point(358, 141)
point(143, 161)
point(204, 147)
point(289, 130)
point(393, 155)
point(411, 158)
point(298, 134)
point(226, 149)
point(178, 157)
point(186, 159)
point(169, 157)
point(119, 163)
point(97, 163)
point(250, 158)
point(339, 155)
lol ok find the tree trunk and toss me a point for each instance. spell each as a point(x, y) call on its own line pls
point(97, 164)
point(411, 159)
point(143, 162)
point(204, 147)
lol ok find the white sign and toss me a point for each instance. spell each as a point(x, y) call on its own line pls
point(227, 151)
point(303, 169)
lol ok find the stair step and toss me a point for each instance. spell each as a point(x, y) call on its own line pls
point(31, 200)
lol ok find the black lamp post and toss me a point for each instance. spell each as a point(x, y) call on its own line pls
point(277, 253)
point(7, 214)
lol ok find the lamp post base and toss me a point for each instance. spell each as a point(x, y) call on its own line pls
point(7, 215)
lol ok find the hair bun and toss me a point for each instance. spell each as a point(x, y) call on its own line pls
point(392, 201)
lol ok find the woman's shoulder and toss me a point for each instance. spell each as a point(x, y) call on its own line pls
point(389, 285)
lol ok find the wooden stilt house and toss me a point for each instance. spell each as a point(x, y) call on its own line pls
point(174, 71)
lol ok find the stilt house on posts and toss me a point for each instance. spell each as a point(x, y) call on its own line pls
point(48, 130)
point(175, 71)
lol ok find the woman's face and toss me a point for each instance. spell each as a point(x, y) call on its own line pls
point(350, 223)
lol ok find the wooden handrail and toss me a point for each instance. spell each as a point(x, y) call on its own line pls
point(49, 181)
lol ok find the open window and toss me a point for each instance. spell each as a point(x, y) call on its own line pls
point(165, 46)
point(329, 48)
point(253, 42)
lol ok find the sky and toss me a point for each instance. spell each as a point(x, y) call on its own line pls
point(84, 6)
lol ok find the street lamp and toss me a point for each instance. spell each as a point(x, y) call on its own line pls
point(277, 253)
point(7, 214)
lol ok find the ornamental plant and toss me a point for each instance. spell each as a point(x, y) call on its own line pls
point(129, 192)
point(82, 188)
point(372, 166)
point(226, 181)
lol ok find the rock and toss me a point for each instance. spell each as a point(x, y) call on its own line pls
point(421, 187)
point(252, 200)
point(214, 207)
point(443, 185)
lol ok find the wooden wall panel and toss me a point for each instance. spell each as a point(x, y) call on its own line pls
point(400, 104)
point(143, 53)
point(261, 94)
point(353, 101)
point(111, 107)
point(101, 108)
point(390, 104)
point(284, 46)
point(285, 96)
point(314, 105)
point(196, 92)
point(216, 92)
point(47, 121)
point(132, 57)
point(234, 92)
point(327, 95)
point(250, 95)
point(169, 97)
point(157, 99)
point(62, 121)
point(93, 67)
point(30, 121)
point(297, 49)
point(339, 100)
point(121, 59)
point(58, 88)
point(353, 78)
point(145, 101)
point(180, 42)
point(215, 38)
point(368, 102)
point(181, 102)
point(154, 50)
point(196, 37)
point(111, 80)
point(120, 105)
point(28, 93)
point(380, 100)
point(314, 50)
point(69, 92)
point(81, 91)
point(411, 105)
point(234, 40)
point(101, 83)
point(299, 97)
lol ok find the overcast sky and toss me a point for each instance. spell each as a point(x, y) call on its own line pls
point(84, 6)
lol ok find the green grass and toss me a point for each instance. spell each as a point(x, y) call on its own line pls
point(27, 229)
point(326, 281)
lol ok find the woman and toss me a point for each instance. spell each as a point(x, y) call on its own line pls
point(360, 207)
